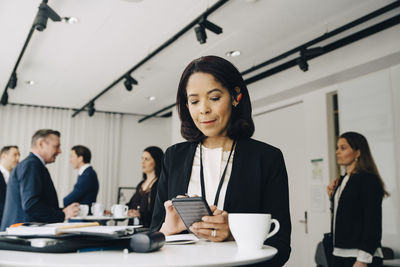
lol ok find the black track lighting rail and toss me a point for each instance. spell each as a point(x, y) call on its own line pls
point(13, 75)
point(325, 36)
point(39, 23)
point(329, 48)
point(308, 54)
point(155, 52)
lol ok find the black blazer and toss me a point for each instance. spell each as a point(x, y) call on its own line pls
point(3, 190)
point(31, 196)
point(85, 190)
point(258, 184)
point(358, 222)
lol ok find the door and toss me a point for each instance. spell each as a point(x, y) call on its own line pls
point(285, 128)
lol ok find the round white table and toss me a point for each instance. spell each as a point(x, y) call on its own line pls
point(203, 253)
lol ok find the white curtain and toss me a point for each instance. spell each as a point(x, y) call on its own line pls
point(100, 133)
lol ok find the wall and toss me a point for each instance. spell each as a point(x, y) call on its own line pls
point(134, 138)
point(378, 52)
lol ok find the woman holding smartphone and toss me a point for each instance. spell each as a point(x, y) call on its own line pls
point(220, 161)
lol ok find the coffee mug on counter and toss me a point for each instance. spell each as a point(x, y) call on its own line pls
point(83, 210)
point(251, 229)
point(98, 209)
point(119, 210)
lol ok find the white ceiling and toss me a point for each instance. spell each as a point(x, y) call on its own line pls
point(71, 64)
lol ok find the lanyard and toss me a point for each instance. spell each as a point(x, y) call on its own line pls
point(221, 181)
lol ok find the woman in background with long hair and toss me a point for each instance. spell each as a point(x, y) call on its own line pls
point(357, 205)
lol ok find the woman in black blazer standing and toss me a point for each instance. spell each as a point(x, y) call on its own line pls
point(357, 205)
point(220, 161)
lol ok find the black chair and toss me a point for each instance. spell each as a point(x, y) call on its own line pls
point(388, 253)
point(320, 256)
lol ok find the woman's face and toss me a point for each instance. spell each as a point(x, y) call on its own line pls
point(148, 163)
point(345, 155)
point(209, 104)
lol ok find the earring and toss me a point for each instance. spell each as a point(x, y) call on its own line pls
point(238, 96)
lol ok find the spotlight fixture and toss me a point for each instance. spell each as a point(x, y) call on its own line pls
point(305, 54)
point(303, 65)
point(4, 98)
point(45, 12)
point(129, 81)
point(30, 82)
point(233, 53)
point(69, 20)
point(92, 110)
point(201, 32)
point(12, 83)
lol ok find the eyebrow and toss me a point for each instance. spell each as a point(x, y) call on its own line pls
point(209, 92)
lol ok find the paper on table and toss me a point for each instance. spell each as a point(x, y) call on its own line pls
point(47, 229)
point(181, 239)
point(109, 230)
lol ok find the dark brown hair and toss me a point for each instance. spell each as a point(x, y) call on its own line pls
point(365, 163)
point(157, 154)
point(6, 149)
point(84, 152)
point(241, 124)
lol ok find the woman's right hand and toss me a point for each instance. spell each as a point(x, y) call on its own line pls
point(331, 186)
point(173, 223)
point(133, 213)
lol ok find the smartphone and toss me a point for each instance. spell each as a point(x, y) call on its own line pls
point(191, 209)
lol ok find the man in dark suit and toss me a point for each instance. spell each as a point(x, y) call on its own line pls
point(31, 196)
point(86, 188)
point(9, 158)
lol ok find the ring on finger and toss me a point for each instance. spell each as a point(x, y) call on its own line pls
point(214, 233)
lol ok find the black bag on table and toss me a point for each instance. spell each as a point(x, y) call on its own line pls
point(139, 242)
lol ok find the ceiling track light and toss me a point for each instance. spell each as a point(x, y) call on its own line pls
point(129, 81)
point(12, 83)
point(201, 34)
point(4, 98)
point(152, 54)
point(45, 12)
point(200, 31)
point(92, 110)
point(305, 54)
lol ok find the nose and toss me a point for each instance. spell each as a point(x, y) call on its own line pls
point(205, 108)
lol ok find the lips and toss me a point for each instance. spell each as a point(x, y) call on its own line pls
point(208, 122)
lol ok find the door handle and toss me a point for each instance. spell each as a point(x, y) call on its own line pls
point(305, 221)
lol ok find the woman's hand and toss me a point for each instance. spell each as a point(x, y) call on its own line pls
point(217, 224)
point(360, 264)
point(173, 223)
point(331, 187)
point(133, 213)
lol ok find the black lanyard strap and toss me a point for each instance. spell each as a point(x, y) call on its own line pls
point(221, 181)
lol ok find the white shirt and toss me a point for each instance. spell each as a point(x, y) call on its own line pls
point(5, 172)
point(83, 168)
point(346, 252)
point(214, 161)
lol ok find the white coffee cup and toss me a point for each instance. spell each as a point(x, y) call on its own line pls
point(83, 210)
point(250, 230)
point(98, 209)
point(119, 210)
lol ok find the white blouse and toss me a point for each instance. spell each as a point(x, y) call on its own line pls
point(214, 161)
